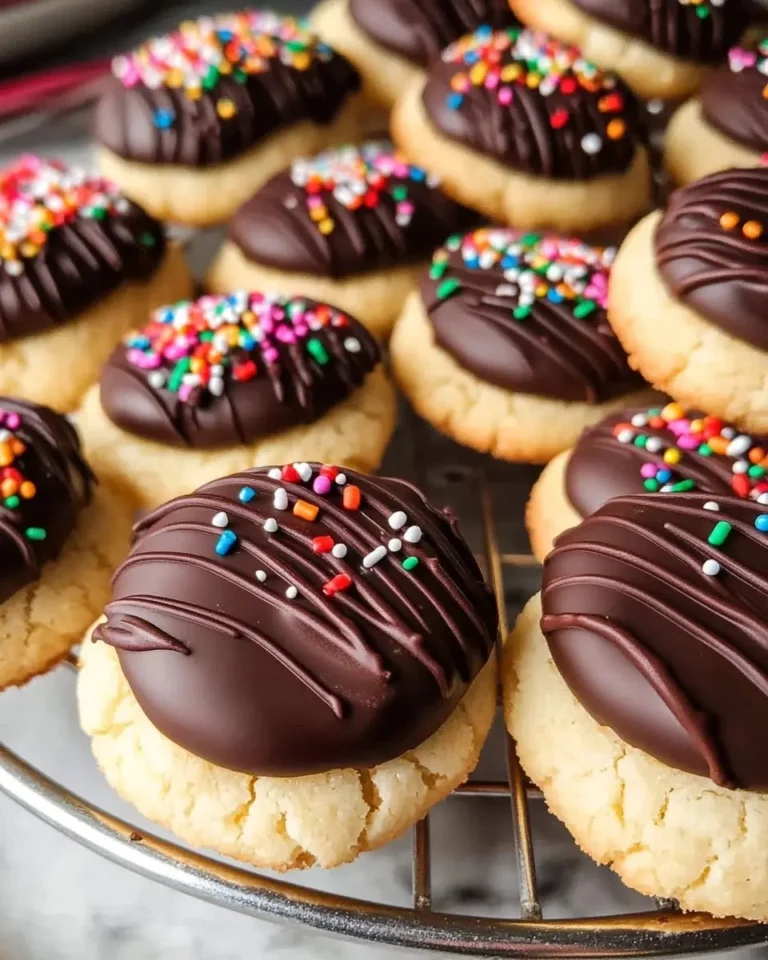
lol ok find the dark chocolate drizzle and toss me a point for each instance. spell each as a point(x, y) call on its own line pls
point(230, 668)
point(733, 98)
point(63, 481)
point(674, 660)
point(716, 270)
point(675, 27)
point(418, 30)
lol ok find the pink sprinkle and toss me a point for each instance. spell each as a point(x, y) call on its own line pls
point(147, 361)
point(184, 392)
point(175, 352)
point(679, 426)
point(492, 80)
point(301, 329)
point(648, 470)
point(13, 420)
point(688, 442)
point(322, 485)
point(271, 354)
point(285, 334)
point(505, 96)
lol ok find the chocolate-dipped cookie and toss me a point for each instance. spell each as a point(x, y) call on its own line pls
point(662, 449)
point(390, 42)
point(507, 346)
point(224, 381)
point(301, 622)
point(648, 647)
point(51, 584)
point(727, 125)
point(525, 130)
point(353, 226)
point(662, 48)
point(79, 264)
point(195, 120)
point(686, 298)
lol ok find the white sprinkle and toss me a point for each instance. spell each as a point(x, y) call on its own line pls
point(711, 505)
point(374, 556)
point(667, 488)
point(270, 525)
point(397, 519)
point(280, 499)
point(339, 550)
point(341, 479)
point(304, 471)
point(741, 466)
point(639, 420)
point(738, 446)
point(591, 143)
point(291, 203)
point(156, 379)
point(653, 444)
point(14, 267)
point(261, 575)
point(763, 499)
point(711, 568)
point(291, 593)
point(352, 345)
point(412, 534)
point(625, 436)
point(275, 474)
point(216, 386)
point(728, 432)
point(220, 519)
point(395, 544)
point(655, 106)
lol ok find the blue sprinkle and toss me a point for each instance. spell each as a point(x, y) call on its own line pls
point(554, 297)
point(471, 56)
point(164, 118)
point(247, 494)
point(761, 523)
point(224, 34)
point(664, 476)
point(247, 342)
point(225, 543)
point(508, 262)
point(484, 30)
point(473, 262)
point(454, 100)
point(418, 174)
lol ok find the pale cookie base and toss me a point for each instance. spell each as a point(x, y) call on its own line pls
point(519, 199)
point(665, 832)
point(651, 73)
point(549, 512)
point(385, 74)
point(282, 823)
point(375, 299)
point(57, 366)
point(694, 148)
point(353, 434)
point(510, 426)
point(42, 621)
point(676, 349)
point(204, 196)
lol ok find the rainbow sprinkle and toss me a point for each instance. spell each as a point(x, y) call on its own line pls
point(704, 436)
point(200, 52)
point(14, 486)
point(357, 177)
point(39, 195)
point(194, 347)
point(534, 267)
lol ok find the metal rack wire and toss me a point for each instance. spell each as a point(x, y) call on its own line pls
point(661, 931)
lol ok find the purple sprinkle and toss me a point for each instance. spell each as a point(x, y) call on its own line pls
point(322, 486)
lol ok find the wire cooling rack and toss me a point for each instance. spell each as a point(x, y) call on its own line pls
point(526, 932)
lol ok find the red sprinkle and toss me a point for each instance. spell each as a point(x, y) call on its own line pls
point(559, 118)
point(328, 471)
point(341, 581)
point(351, 497)
point(568, 85)
point(245, 371)
point(290, 474)
point(741, 484)
point(322, 544)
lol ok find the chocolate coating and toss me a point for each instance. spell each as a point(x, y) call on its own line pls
point(707, 257)
point(674, 660)
point(303, 358)
point(479, 296)
point(228, 666)
point(147, 121)
point(609, 459)
point(38, 447)
point(418, 30)
point(575, 124)
point(733, 98)
point(675, 27)
point(279, 227)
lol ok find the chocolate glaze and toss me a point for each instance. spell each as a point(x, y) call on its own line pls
point(675, 27)
point(230, 668)
point(285, 392)
point(522, 134)
point(418, 30)
point(550, 352)
point(733, 98)
point(198, 136)
point(275, 226)
point(718, 271)
point(675, 661)
point(62, 481)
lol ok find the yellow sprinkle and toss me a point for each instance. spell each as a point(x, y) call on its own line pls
point(224, 67)
point(326, 226)
point(478, 73)
point(175, 78)
point(318, 213)
point(302, 61)
point(533, 80)
point(225, 109)
point(29, 249)
point(672, 455)
point(697, 426)
point(672, 411)
point(194, 93)
point(511, 72)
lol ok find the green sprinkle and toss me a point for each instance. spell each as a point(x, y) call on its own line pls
point(400, 193)
point(206, 336)
point(705, 450)
point(520, 313)
point(36, 533)
point(437, 270)
point(702, 12)
point(148, 239)
point(99, 213)
point(239, 76)
point(640, 440)
point(12, 502)
point(296, 46)
point(182, 367)
point(211, 78)
point(316, 350)
point(720, 533)
point(447, 288)
point(529, 239)
point(654, 412)
point(584, 309)
point(651, 485)
point(683, 486)
point(410, 563)
point(756, 471)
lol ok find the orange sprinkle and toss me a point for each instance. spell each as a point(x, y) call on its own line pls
point(351, 497)
point(729, 220)
point(718, 445)
point(765, 92)
point(306, 511)
point(656, 423)
point(17, 446)
point(8, 487)
point(616, 129)
point(672, 411)
point(752, 229)
point(6, 455)
point(225, 109)
point(27, 489)
point(757, 454)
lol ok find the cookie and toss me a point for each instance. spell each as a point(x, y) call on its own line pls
point(224, 384)
point(524, 130)
point(662, 48)
point(506, 346)
point(727, 125)
point(79, 265)
point(293, 667)
point(391, 42)
point(635, 689)
point(352, 226)
point(194, 121)
point(662, 449)
point(687, 297)
point(61, 540)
